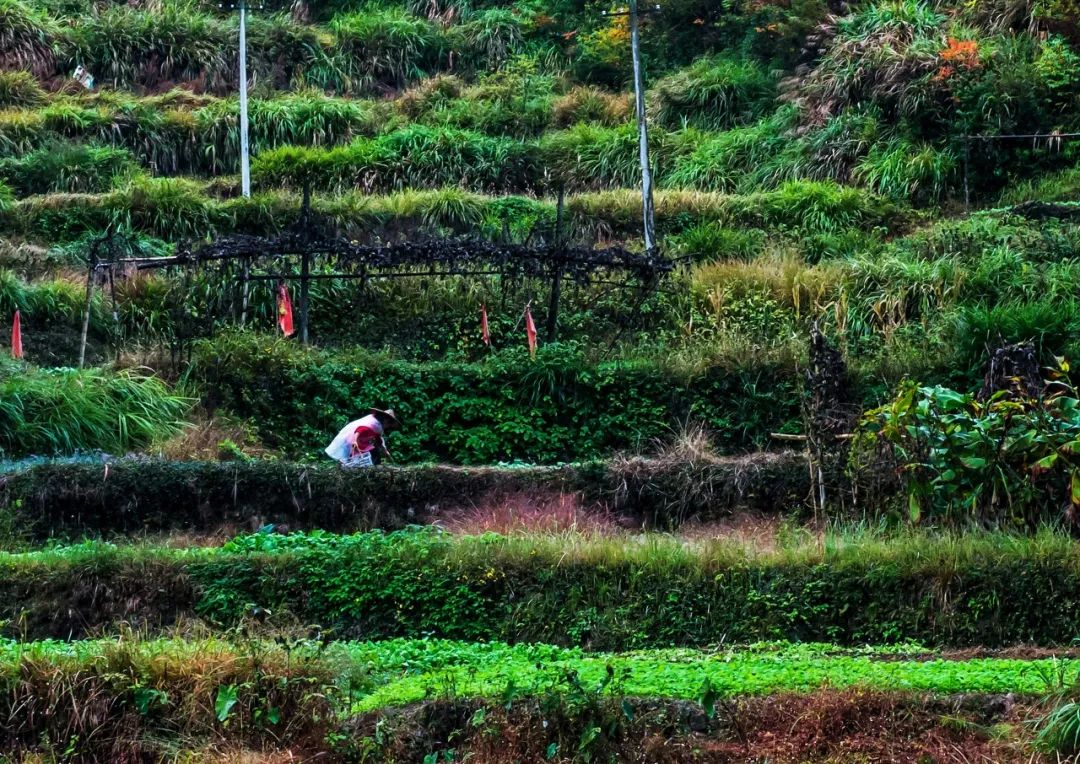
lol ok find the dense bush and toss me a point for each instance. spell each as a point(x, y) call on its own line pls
point(557, 408)
point(142, 495)
point(1006, 460)
point(714, 94)
point(70, 168)
point(414, 157)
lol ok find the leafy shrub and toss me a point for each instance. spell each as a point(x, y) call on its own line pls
point(556, 409)
point(1001, 461)
point(714, 94)
point(973, 591)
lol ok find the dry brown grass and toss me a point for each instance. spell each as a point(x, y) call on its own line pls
point(528, 512)
point(89, 706)
point(203, 440)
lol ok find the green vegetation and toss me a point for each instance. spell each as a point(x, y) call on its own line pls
point(142, 697)
point(64, 410)
point(863, 175)
point(943, 590)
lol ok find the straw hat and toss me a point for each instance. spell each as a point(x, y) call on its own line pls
point(389, 413)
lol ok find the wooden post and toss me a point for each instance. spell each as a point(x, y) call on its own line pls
point(115, 315)
point(556, 270)
point(245, 289)
point(305, 279)
point(86, 310)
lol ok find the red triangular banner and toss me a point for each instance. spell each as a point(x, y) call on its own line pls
point(530, 331)
point(284, 309)
point(16, 337)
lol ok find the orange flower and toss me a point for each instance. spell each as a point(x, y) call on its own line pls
point(963, 53)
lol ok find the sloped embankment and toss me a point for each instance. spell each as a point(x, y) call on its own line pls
point(127, 496)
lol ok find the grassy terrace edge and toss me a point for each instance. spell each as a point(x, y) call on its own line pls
point(601, 593)
point(137, 495)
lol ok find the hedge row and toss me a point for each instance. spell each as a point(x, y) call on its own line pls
point(174, 209)
point(129, 496)
point(556, 408)
point(605, 594)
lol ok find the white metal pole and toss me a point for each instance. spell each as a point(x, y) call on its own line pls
point(643, 130)
point(245, 167)
point(245, 164)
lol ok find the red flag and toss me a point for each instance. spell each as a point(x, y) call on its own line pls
point(530, 330)
point(485, 335)
point(16, 337)
point(284, 311)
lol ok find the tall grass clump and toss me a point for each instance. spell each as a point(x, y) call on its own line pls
point(903, 170)
point(414, 157)
point(880, 55)
point(61, 411)
point(743, 157)
point(592, 104)
point(493, 36)
point(591, 157)
point(73, 168)
point(714, 94)
point(19, 89)
point(383, 48)
point(128, 47)
point(28, 39)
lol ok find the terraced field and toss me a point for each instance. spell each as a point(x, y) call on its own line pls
point(801, 485)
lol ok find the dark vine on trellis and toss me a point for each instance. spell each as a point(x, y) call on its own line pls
point(316, 241)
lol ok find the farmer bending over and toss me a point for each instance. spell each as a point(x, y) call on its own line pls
point(361, 443)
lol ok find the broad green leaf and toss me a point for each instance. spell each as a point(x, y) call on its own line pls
point(226, 698)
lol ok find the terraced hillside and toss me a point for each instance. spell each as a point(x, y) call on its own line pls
point(810, 495)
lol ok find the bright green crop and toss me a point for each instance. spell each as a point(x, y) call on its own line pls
point(405, 671)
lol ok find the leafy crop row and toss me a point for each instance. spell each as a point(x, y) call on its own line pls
point(601, 594)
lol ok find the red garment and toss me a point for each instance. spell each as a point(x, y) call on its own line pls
point(16, 337)
point(484, 334)
point(365, 439)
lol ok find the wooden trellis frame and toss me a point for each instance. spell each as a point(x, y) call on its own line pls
point(314, 240)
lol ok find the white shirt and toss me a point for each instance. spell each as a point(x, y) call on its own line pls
point(341, 446)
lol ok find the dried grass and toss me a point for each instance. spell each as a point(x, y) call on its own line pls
point(211, 437)
point(520, 512)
